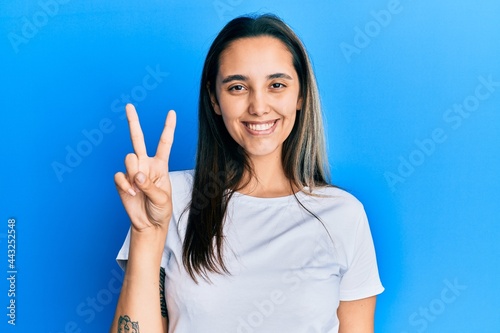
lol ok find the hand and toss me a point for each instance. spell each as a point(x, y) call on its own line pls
point(145, 188)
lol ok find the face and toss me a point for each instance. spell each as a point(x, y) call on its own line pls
point(257, 94)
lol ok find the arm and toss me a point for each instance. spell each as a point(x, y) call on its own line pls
point(145, 191)
point(357, 316)
point(139, 307)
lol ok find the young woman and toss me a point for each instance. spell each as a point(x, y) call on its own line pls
point(254, 239)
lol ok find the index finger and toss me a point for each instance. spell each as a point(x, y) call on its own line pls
point(136, 134)
point(167, 137)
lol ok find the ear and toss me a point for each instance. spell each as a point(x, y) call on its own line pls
point(299, 104)
point(213, 100)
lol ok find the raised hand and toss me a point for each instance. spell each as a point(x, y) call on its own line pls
point(145, 188)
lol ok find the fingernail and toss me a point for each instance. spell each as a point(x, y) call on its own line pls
point(131, 192)
point(141, 178)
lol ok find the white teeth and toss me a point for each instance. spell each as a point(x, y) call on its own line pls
point(260, 127)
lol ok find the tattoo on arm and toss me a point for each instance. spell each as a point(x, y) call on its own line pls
point(163, 303)
point(125, 325)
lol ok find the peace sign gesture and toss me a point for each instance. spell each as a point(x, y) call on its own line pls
point(145, 188)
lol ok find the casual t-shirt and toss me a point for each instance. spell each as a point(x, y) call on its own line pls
point(288, 269)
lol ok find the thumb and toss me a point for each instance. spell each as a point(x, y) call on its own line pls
point(154, 193)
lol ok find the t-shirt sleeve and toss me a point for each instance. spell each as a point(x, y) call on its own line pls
point(361, 279)
point(122, 256)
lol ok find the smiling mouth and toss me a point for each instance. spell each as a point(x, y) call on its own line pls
point(260, 127)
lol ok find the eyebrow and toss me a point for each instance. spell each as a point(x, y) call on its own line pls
point(239, 77)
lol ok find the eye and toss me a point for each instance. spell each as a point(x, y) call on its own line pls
point(277, 85)
point(237, 87)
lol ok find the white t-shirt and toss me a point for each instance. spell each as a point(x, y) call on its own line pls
point(288, 270)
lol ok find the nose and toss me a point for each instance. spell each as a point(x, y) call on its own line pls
point(258, 105)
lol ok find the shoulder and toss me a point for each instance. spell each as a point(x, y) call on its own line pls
point(181, 178)
point(182, 187)
point(340, 211)
point(335, 199)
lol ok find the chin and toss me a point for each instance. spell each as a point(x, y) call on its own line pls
point(263, 152)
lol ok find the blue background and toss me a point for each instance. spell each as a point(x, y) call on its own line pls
point(68, 67)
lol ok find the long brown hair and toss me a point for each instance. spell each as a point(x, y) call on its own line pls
point(221, 162)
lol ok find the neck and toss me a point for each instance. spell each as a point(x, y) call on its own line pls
point(268, 180)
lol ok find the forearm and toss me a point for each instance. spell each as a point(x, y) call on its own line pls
point(139, 301)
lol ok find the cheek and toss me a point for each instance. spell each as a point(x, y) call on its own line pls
point(231, 122)
point(232, 107)
point(292, 119)
point(290, 102)
point(288, 107)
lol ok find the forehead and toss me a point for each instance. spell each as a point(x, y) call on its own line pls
point(263, 54)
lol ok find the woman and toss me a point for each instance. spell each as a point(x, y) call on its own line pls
point(254, 239)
